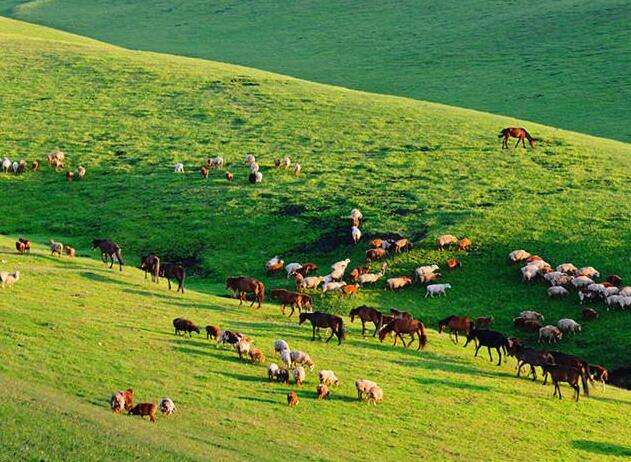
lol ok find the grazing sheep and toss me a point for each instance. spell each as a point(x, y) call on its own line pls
point(423, 270)
point(436, 289)
point(280, 345)
point(21, 167)
point(340, 265)
point(249, 159)
point(332, 286)
point(399, 283)
point(349, 289)
point(203, 171)
point(254, 167)
point(144, 409)
point(557, 291)
point(581, 281)
point(363, 386)
point(429, 277)
point(401, 245)
point(588, 271)
point(567, 268)
point(14, 167)
point(299, 375)
point(35, 166)
point(323, 391)
point(614, 280)
point(528, 325)
point(292, 399)
point(534, 315)
point(285, 357)
point(243, 347)
point(255, 177)
point(56, 248)
point(117, 402)
point(213, 332)
point(70, 251)
point(80, 172)
point(272, 371)
point(356, 218)
point(625, 291)
point(371, 278)
point(274, 265)
point(229, 175)
point(464, 244)
point(445, 240)
point(375, 395)
point(256, 356)
point(589, 314)
point(297, 169)
point(292, 268)
point(613, 300)
point(167, 407)
point(58, 156)
point(453, 263)
point(550, 334)
point(215, 162)
point(178, 168)
point(286, 162)
point(327, 377)
point(6, 165)
point(184, 325)
point(282, 376)
point(312, 282)
point(518, 255)
point(302, 358)
point(375, 254)
point(69, 176)
point(569, 326)
point(610, 291)
point(356, 234)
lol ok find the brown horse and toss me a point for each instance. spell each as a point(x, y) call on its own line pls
point(109, 250)
point(567, 374)
point(457, 325)
point(243, 285)
point(570, 361)
point(326, 320)
point(405, 326)
point(169, 270)
point(292, 299)
point(151, 264)
point(367, 314)
point(516, 132)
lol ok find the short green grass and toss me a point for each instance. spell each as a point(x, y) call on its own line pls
point(73, 331)
point(564, 63)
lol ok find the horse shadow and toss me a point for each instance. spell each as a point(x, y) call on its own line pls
point(100, 278)
point(452, 384)
point(603, 448)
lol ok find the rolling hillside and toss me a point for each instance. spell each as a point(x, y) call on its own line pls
point(563, 63)
point(71, 331)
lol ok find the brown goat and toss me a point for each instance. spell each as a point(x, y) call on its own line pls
point(453, 263)
point(464, 244)
point(375, 254)
point(402, 244)
point(349, 289)
point(213, 332)
point(35, 166)
point(70, 251)
point(203, 171)
point(323, 391)
point(292, 399)
point(356, 272)
point(144, 409)
point(229, 176)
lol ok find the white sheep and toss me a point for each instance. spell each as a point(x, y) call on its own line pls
point(557, 291)
point(567, 268)
point(340, 265)
point(285, 357)
point(332, 286)
point(374, 395)
point(311, 282)
point(249, 159)
point(625, 291)
point(552, 277)
point(356, 216)
point(280, 345)
point(436, 289)
point(356, 234)
point(286, 162)
point(363, 386)
point(297, 169)
point(588, 271)
point(569, 326)
point(178, 168)
point(254, 167)
point(424, 270)
point(258, 177)
point(299, 375)
point(302, 358)
point(243, 347)
point(531, 315)
point(216, 162)
point(272, 371)
point(610, 291)
point(15, 167)
point(529, 275)
point(539, 264)
point(581, 281)
point(399, 283)
point(167, 407)
point(598, 288)
point(550, 334)
point(518, 255)
point(328, 378)
point(8, 279)
point(292, 268)
point(6, 165)
point(613, 300)
point(371, 278)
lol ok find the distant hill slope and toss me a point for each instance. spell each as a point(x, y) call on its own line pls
point(564, 63)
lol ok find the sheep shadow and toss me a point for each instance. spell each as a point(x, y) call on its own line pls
point(261, 400)
point(599, 447)
point(452, 384)
point(245, 377)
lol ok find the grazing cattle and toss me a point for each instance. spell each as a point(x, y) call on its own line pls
point(489, 339)
point(144, 409)
point(184, 325)
point(213, 332)
point(405, 326)
point(445, 240)
point(367, 314)
point(243, 285)
point(457, 325)
point(292, 399)
point(375, 254)
point(109, 250)
point(567, 374)
point(589, 314)
point(483, 322)
point(516, 132)
point(292, 299)
point(453, 263)
point(319, 319)
point(169, 270)
point(151, 264)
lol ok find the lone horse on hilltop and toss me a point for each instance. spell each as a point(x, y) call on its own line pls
point(516, 132)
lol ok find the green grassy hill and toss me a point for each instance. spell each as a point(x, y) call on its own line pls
point(563, 63)
point(72, 331)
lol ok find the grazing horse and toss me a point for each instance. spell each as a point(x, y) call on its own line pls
point(531, 357)
point(169, 270)
point(598, 373)
point(457, 325)
point(367, 314)
point(292, 299)
point(516, 132)
point(489, 339)
point(151, 264)
point(567, 374)
point(405, 326)
point(243, 285)
point(326, 320)
point(109, 250)
point(571, 361)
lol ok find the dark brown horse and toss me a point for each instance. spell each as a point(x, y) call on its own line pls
point(489, 339)
point(529, 357)
point(109, 250)
point(151, 264)
point(319, 319)
point(367, 314)
point(571, 361)
point(516, 132)
point(405, 326)
point(293, 299)
point(457, 325)
point(567, 374)
point(169, 270)
point(242, 285)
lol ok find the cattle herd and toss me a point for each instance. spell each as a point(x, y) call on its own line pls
point(564, 278)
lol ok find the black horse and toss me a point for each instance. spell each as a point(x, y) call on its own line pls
point(489, 339)
point(326, 320)
point(109, 250)
point(170, 271)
